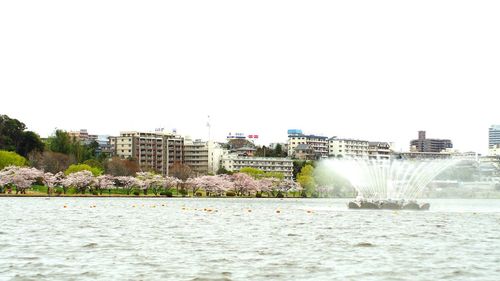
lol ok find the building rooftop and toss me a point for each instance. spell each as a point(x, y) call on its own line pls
point(308, 136)
point(232, 156)
point(346, 139)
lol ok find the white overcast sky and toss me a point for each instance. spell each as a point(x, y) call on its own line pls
point(376, 70)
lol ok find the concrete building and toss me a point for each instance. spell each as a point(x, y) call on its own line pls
point(216, 152)
point(379, 150)
point(318, 144)
point(494, 150)
point(82, 136)
point(304, 152)
point(104, 145)
point(493, 136)
point(347, 148)
point(196, 156)
point(422, 155)
point(423, 144)
point(282, 165)
point(152, 151)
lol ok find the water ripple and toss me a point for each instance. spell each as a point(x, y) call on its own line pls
point(129, 239)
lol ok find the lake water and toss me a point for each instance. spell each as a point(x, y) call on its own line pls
point(245, 239)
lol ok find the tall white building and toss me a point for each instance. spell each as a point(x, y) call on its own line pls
point(350, 148)
point(494, 150)
point(215, 154)
point(493, 136)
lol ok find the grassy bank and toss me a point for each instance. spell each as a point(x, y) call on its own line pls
point(41, 191)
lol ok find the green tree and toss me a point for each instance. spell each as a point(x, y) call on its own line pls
point(30, 143)
point(10, 133)
point(94, 164)
point(83, 167)
point(306, 179)
point(276, 175)
point(264, 151)
point(253, 172)
point(60, 142)
point(223, 171)
point(299, 164)
point(279, 152)
point(13, 137)
point(9, 158)
point(259, 174)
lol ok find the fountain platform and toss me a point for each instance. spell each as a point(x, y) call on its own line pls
point(388, 205)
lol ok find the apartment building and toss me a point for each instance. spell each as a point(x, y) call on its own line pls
point(494, 150)
point(318, 144)
point(196, 156)
point(347, 148)
point(82, 136)
point(267, 164)
point(494, 136)
point(423, 144)
point(379, 150)
point(152, 151)
point(215, 154)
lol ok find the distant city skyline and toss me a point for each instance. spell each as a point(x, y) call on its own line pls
point(265, 139)
point(347, 69)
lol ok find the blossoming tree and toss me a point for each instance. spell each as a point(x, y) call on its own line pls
point(82, 181)
point(20, 177)
point(105, 182)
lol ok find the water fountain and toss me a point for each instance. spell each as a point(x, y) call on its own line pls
point(389, 184)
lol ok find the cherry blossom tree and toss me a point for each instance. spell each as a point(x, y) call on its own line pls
point(213, 185)
point(171, 182)
point(105, 182)
point(267, 185)
point(195, 183)
point(51, 181)
point(128, 183)
point(243, 184)
point(220, 184)
point(286, 186)
point(151, 181)
point(82, 181)
point(20, 177)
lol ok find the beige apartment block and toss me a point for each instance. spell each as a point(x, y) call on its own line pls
point(155, 152)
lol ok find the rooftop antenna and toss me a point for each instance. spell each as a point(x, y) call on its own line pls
point(208, 126)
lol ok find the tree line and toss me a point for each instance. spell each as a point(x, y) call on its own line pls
point(18, 146)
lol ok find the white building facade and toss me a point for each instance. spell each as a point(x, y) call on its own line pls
point(347, 148)
point(494, 150)
point(318, 144)
point(267, 164)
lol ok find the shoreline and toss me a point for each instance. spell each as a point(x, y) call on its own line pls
point(147, 196)
point(205, 197)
